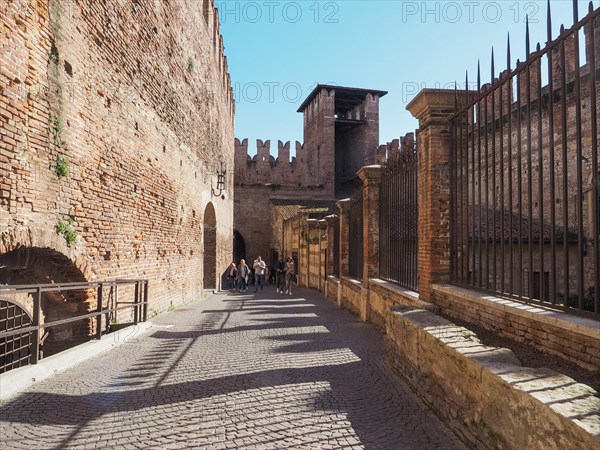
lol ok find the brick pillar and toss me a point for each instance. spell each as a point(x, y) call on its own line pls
point(330, 222)
point(322, 263)
point(433, 108)
point(370, 177)
point(344, 207)
point(311, 232)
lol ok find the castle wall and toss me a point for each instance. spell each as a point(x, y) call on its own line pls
point(136, 96)
point(262, 178)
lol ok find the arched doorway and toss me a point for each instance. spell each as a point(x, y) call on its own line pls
point(239, 247)
point(36, 265)
point(210, 248)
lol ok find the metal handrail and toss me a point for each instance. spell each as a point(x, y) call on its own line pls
point(139, 306)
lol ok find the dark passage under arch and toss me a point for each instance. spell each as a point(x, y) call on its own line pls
point(239, 247)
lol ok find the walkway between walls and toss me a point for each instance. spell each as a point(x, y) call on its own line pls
point(257, 371)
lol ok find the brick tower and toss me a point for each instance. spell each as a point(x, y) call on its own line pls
point(341, 134)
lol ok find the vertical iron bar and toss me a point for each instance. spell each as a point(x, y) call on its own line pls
point(494, 244)
point(480, 232)
point(542, 236)
point(552, 166)
point(565, 187)
point(37, 313)
point(99, 311)
point(511, 289)
point(594, 127)
point(135, 302)
point(579, 146)
point(465, 205)
point(529, 170)
point(487, 191)
point(116, 300)
point(519, 182)
point(381, 222)
point(415, 233)
point(472, 281)
point(145, 306)
point(502, 200)
point(452, 199)
point(407, 222)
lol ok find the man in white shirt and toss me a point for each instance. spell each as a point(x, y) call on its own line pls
point(259, 273)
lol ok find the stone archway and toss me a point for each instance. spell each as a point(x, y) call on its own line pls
point(38, 265)
point(210, 248)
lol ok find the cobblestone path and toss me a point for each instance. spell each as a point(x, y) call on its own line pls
point(262, 371)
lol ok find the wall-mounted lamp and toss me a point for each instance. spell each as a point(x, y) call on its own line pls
point(220, 182)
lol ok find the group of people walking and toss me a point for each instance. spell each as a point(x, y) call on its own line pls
point(240, 276)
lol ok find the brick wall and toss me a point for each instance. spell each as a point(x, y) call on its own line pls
point(136, 96)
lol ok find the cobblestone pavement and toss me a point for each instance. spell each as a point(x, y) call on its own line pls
point(262, 371)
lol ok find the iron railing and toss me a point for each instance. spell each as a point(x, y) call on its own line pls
point(355, 241)
point(28, 330)
point(525, 203)
point(398, 220)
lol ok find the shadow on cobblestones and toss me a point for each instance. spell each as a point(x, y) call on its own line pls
point(236, 370)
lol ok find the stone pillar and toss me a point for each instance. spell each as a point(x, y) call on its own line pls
point(344, 207)
point(433, 108)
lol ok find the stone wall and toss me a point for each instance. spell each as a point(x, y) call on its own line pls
point(483, 393)
point(383, 295)
point(136, 97)
point(351, 295)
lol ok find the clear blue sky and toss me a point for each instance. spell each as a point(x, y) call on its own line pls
point(279, 50)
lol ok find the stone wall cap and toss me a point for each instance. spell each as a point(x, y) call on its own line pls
point(341, 204)
point(428, 99)
point(370, 173)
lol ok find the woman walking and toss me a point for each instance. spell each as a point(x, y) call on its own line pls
point(242, 276)
point(232, 275)
point(290, 272)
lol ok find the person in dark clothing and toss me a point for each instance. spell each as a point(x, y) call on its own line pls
point(280, 274)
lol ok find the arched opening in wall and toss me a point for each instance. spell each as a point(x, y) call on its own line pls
point(210, 248)
point(35, 265)
point(239, 247)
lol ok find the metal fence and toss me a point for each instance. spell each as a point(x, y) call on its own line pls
point(398, 220)
point(22, 332)
point(525, 204)
point(355, 242)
